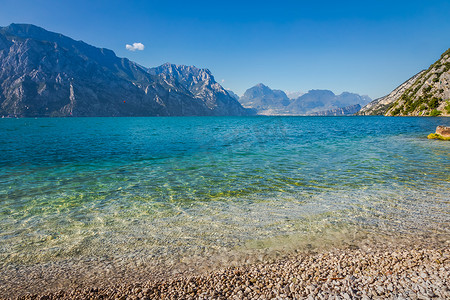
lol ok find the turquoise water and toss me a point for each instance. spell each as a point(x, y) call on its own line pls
point(92, 187)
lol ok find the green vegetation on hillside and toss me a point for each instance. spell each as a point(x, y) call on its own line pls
point(424, 96)
point(435, 113)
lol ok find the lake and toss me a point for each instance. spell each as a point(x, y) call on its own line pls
point(168, 190)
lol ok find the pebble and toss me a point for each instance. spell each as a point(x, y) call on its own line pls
point(362, 273)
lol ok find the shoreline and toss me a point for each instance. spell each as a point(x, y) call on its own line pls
point(373, 269)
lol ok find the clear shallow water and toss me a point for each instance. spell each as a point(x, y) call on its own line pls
point(170, 187)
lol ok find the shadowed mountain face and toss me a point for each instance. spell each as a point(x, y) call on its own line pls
point(45, 74)
point(232, 94)
point(316, 102)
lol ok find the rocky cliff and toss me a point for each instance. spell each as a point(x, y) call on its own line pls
point(201, 85)
point(425, 94)
point(381, 105)
point(46, 74)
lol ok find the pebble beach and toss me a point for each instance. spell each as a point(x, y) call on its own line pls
point(392, 270)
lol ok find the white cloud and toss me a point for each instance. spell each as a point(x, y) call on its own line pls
point(135, 46)
point(223, 80)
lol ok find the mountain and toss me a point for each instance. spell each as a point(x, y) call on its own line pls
point(199, 83)
point(232, 94)
point(425, 94)
point(265, 100)
point(381, 105)
point(323, 100)
point(344, 111)
point(313, 101)
point(316, 102)
point(46, 74)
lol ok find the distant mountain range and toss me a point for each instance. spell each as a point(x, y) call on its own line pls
point(343, 111)
point(46, 74)
point(265, 100)
point(425, 94)
point(315, 102)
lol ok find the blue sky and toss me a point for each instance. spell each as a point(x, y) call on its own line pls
point(367, 47)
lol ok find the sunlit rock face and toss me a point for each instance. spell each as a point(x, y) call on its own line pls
point(425, 94)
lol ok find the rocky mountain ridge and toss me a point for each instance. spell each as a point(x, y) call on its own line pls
point(265, 100)
point(425, 94)
point(46, 74)
point(201, 84)
point(315, 102)
point(380, 105)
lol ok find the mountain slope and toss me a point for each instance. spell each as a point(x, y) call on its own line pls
point(265, 100)
point(316, 102)
point(425, 94)
point(324, 100)
point(201, 85)
point(232, 94)
point(381, 105)
point(46, 74)
point(429, 94)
